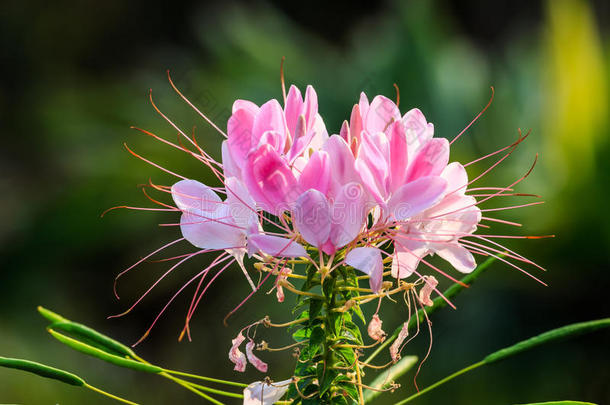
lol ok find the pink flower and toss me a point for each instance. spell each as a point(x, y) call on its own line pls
point(395, 348)
point(265, 393)
point(381, 191)
point(392, 151)
point(236, 356)
point(267, 146)
point(255, 361)
point(374, 329)
point(439, 228)
point(430, 283)
point(330, 224)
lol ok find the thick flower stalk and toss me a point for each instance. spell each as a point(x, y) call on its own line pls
point(336, 220)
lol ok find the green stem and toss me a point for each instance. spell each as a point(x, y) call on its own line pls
point(188, 386)
point(441, 382)
point(109, 395)
point(199, 377)
point(213, 390)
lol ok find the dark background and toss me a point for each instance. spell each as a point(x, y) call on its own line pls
point(75, 76)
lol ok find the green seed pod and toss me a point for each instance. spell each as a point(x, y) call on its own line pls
point(50, 315)
point(42, 370)
point(102, 355)
point(98, 339)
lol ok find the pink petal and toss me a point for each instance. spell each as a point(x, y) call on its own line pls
point(456, 177)
point(424, 293)
point(241, 205)
point(374, 329)
point(381, 113)
point(458, 256)
point(344, 132)
point(316, 174)
point(255, 361)
point(419, 131)
point(212, 229)
point(298, 138)
point(270, 180)
point(245, 105)
point(279, 290)
point(368, 260)
point(236, 356)
point(407, 255)
point(398, 156)
point(349, 213)
point(277, 246)
point(294, 108)
point(263, 393)
point(342, 164)
point(414, 197)
point(193, 196)
point(269, 118)
point(273, 139)
point(355, 124)
point(363, 106)
point(395, 348)
point(310, 106)
point(311, 216)
point(239, 134)
point(229, 166)
point(373, 157)
point(369, 181)
point(430, 160)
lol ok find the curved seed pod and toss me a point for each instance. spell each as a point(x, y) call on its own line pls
point(102, 355)
point(42, 370)
point(94, 336)
point(50, 315)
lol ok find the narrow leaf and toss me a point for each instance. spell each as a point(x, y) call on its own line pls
point(546, 337)
point(561, 403)
point(391, 374)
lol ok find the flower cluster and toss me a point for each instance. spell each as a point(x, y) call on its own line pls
point(385, 179)
point(379, 197)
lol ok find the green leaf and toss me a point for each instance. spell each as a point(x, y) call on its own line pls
point(358, 311)
point(316, 341)
point(302, 334)
point(391, 374)
point(347, 354)
point(546, 337)
point(561, 403)
point(315, 307)
point(352, 333)
point(328, 288)
point(42, 370)
point(327, 380)
point(349, 389)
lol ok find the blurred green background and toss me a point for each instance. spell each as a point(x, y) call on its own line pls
point(75, 76)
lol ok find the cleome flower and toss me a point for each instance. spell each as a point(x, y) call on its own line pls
point(380, 197)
